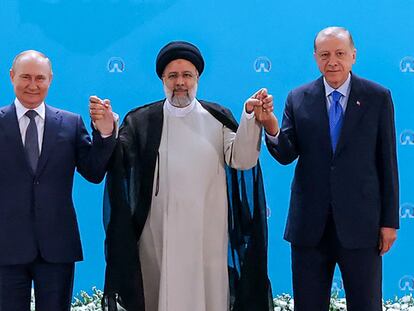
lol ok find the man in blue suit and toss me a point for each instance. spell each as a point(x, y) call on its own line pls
point(40, 148)
point(345, 193)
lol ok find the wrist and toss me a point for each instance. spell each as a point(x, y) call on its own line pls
point(248, 108)
point(106, 132)
point(271, 128)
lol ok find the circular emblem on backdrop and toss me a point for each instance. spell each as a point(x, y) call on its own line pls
point(407, 137)
point(262, 64)
point(406, 283)
point(407, 210)
point(407, 64)
point(116, 65)
point(337, 285)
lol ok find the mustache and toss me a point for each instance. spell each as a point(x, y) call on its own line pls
point(180, 89)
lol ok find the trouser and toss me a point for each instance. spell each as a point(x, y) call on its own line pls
point(313, 269)
point(52, 282)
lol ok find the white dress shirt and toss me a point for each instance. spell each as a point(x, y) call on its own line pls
point(344, 89)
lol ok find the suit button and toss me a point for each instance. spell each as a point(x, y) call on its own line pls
point(333, 167)
point(36, 182)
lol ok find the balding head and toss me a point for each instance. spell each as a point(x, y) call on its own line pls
point(31, 54)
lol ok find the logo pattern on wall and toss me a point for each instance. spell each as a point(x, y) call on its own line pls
point(262, 64)
point(407, 210)
point(407, 64)
point(406, 283)
point(407, 137)
point(116, 65)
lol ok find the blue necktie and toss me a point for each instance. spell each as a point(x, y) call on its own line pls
point(336, 117)
point(31, 142)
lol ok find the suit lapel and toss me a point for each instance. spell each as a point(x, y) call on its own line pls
point(53, 120)
point(354, 110)
point(10, 126)
point(317, 111)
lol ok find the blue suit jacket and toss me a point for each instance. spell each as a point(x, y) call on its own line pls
point(359, 183)
point(36, 209)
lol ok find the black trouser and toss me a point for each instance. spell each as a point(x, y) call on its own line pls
point(53, 284)
point(313, 269)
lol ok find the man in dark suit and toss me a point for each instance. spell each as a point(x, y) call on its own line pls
point(40, 148)
point(344, 195)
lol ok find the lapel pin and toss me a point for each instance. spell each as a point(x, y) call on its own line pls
point(358, 103)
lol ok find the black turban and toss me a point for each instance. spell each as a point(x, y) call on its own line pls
point(179, 50)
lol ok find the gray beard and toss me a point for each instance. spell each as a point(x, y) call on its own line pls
point(181, 101)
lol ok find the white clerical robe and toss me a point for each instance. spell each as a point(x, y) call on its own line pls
point(184, 245)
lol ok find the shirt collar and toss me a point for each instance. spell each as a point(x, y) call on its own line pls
point(21, 110)
point(343, 89)
point(180, 112)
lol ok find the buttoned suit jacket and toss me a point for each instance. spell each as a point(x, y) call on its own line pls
point(358, 183)
point(36, 208)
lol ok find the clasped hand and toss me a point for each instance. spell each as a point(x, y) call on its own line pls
point(261, 103)
point(101, 115)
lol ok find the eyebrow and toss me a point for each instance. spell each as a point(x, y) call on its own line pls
point(327, 51)
point(35, 75)
point(181, 71)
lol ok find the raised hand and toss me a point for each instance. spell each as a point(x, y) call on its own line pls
point(101, 115)
point(262, 105)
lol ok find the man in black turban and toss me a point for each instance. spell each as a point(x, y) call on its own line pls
point(185, 212)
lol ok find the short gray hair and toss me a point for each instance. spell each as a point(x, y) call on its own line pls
point(334, 31)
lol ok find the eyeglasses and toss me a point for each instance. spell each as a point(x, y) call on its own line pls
point(172, 76)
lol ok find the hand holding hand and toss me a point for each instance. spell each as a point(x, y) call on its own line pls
point(101, 115)
point(262, 105)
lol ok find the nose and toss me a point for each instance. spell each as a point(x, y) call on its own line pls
point(180, 80)
point(333, 61)
point(32, 84)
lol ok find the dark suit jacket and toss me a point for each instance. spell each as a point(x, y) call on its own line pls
point(359, 183)
point(36, 209)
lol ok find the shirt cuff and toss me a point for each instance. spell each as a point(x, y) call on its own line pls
point(248, 115)
point(116, 129)
point(273, 139)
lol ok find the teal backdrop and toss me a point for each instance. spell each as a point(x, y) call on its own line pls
point(108, 48)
